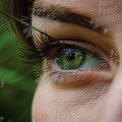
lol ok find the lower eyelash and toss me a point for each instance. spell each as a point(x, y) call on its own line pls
point(31, 56)
point(70, 78)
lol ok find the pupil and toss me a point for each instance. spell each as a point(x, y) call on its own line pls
point(71, 56)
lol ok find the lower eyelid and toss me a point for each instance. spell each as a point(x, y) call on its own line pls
point(78, 78)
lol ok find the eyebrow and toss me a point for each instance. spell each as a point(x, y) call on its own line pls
point(63, 14)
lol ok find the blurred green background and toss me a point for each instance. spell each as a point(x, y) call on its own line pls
point(17, 84)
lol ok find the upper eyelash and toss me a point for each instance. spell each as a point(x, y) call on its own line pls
point(38, 52)
point(41, 49)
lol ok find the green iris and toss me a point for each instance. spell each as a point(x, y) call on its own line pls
point(72, 59)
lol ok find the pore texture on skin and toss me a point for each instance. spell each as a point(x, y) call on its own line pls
point(79, 94)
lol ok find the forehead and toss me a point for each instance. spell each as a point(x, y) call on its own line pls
point(91, 8)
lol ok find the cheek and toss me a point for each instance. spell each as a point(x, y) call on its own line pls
point(52, 104)
point(42, 106)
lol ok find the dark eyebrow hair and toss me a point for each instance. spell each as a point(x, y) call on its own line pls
point(63, 14)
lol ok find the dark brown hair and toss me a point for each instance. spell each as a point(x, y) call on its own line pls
point(20, 9)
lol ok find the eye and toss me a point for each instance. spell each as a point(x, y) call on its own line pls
point(76, 63)
point(73, 62)
point(74, 59)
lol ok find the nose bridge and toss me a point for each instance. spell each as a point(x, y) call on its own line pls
point(113, 106)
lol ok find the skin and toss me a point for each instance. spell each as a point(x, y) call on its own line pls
point(96, 101)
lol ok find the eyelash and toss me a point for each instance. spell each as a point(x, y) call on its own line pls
point(40, 51)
